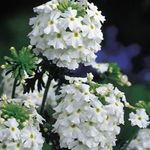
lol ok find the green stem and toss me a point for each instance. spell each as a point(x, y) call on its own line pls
point(14, 88)
point(125, 146)
point(45, 94)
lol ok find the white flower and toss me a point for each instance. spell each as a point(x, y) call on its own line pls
point(3, 146)
point(141, 119)
point(37, 117)
point(18, 120)
point(69, 36)
point(105, 89)
point(52, 25)
point(86, 117)
point(91, 30)
point(15, 145)
point(13, 131)
point(57, 40)
point(69, 19)
point(32, 138)
point(93, 12)
point(73, 39)
point(77, 145)
point(47, 7)
point(101, 67)
point(141, 141)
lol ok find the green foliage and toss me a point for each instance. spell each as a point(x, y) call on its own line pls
point(115, 76)
point(136, 93)
point(93, 87)
point(114, 72)
point(47, 146)
point(145, 105)
point(65, 4)
point(17, 111)
point(20, 63)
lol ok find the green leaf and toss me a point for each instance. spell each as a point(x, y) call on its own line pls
point(145, 105)
point(65, 4)
point(47, 147)
point(21, 63)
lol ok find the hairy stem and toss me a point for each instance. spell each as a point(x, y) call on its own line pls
point(14, 88)
point(45, 94)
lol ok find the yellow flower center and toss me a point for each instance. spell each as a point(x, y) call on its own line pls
point(58, 35)
point(50, 22)
point(32, 136)
point(18, 145)
point(91, 123)
point(139, 118)
point(13, 129)
point(78, 111)
point(117, 104)
point(4, 147)
point(97, 110)
point(97, 13)
point(73, 126)
point(92, 27)
point(76, 34)
point(72, 19)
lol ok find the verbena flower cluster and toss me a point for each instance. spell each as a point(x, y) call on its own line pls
point(19, 126)
point(67, 32)
point(141, 141)
point(89, 114)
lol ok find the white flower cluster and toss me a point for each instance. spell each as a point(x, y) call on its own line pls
point(142, 141)
point(66, 35)
point(89, 114)
point(33, 98)
point(19, 126)
point(140, 118)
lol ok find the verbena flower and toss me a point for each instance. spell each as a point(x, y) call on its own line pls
point(89, 114)
point(15, 121)
point(140, 118)
point(101, 67)
point(67, 32)
point(31, 138)
point(141, 141)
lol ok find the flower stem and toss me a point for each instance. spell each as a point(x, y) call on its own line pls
point(45, 94)
point(14, 88)
point(125, 146)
